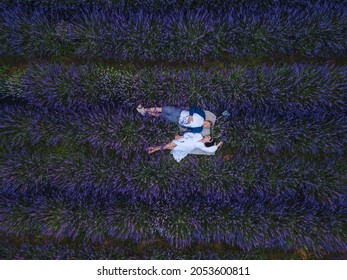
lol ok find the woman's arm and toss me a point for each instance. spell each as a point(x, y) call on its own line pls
point(212, 149)
point(198, 111)
point(219, 144)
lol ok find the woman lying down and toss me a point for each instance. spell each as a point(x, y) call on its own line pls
point(181, 146)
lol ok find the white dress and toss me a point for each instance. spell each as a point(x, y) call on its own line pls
point(187, 144)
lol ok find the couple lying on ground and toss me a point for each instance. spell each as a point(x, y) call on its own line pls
point(196, 126)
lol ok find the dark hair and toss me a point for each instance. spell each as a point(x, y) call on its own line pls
point(211, 143)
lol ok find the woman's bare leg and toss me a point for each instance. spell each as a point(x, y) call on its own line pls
point(169, 146)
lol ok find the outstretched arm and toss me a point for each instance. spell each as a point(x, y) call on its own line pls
point(219, 144)
point(196, 110)
point(211, 149)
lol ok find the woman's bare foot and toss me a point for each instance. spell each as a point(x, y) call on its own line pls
point(151, 150)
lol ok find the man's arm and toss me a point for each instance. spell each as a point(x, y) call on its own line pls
point(195, 110)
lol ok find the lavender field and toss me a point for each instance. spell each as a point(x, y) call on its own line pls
point(75, 179)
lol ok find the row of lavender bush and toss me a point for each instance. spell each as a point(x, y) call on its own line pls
point(42, 248)
point(121, 131)
point(67, 7)
point(189, 32)
point(103, 150)
point(289, 90)
point(288, 225)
